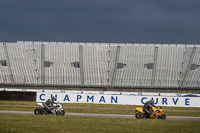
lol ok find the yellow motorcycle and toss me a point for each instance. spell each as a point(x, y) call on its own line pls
point(159, 113)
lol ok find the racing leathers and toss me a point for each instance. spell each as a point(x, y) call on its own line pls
point(49, 104)
point(147, 106)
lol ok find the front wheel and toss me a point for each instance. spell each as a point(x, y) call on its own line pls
point(163, 116)
point(61, 112)
point(38, 111)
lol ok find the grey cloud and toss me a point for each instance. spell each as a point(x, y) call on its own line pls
point(145, 21)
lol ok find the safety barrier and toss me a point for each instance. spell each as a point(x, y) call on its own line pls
point(17, 96)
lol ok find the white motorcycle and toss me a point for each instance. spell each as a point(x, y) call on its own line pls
point(42, 110)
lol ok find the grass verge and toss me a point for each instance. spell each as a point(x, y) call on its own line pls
point(97, 108)
point(72, 124)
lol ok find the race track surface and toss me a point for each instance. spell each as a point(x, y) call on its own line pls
point(183, 118)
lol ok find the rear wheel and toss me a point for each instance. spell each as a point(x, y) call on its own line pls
point(38, 111)
point(62, 112)
point(138, 115)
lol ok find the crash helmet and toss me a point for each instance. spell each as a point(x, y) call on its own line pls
point(53, 98)
point(152, 101)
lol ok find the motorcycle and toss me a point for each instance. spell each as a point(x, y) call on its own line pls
point(159, 113)
point(42, 110)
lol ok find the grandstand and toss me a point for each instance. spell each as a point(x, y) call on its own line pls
point(116, 65)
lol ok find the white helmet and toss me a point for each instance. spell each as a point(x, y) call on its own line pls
point(53, 98)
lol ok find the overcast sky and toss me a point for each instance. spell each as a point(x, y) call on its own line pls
point(122, 21)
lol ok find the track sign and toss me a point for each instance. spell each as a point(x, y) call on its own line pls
point(3, 63)
point(193, 66)
point(150, 66)
point(120, 65)
point(76, 64)
point(46, 64)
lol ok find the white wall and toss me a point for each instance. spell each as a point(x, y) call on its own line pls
point(111, 97)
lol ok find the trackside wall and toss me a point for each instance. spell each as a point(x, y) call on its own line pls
point(106, 97)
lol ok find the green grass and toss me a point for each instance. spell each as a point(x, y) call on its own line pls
point(97, 108)
point(72, 124)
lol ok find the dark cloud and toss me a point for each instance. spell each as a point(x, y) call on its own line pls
point(136, 21)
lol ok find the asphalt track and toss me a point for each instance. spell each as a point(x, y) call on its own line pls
point(182, 118)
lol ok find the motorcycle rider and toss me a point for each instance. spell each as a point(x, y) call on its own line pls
point(148, 105)
point(49, 104)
